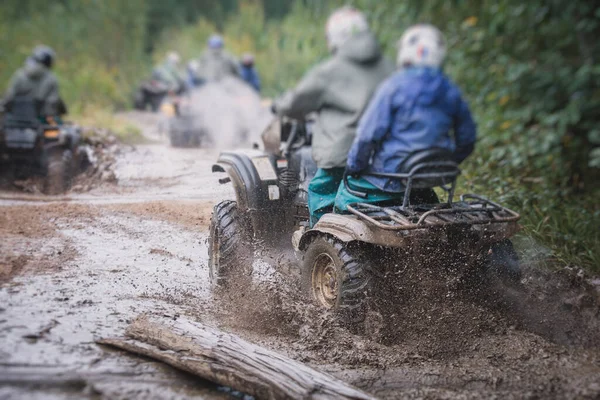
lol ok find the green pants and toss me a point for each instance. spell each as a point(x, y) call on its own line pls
point(378, 196)
point(322, 191)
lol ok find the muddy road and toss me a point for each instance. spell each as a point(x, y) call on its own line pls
point(82, 266)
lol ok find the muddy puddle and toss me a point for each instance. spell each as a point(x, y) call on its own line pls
point(81, 266)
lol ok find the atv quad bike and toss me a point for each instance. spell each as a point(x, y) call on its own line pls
point(184, 126)
point(30, 147)
point(343, 252)
point(151, 93)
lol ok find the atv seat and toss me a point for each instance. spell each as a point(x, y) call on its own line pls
point(422, 169)
point(429, 168)
point(22, 113)
point(21, 124)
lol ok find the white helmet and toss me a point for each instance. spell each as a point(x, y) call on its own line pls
point(173, 58)
point(342, 25)
point(194, 65)
point(421, 46)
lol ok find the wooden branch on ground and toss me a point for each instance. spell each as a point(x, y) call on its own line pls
point(228, 360)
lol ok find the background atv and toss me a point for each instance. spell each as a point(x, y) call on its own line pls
point(151, 93)
point(29, 147)
point(343, 253)
point(184, 125)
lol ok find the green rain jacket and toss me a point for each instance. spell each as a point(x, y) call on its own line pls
point(216, 64)
point(37, 82)
point(338, 91)
point(169, 75)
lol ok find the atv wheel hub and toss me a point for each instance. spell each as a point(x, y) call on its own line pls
point(324, 281)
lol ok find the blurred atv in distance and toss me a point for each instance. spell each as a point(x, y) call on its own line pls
point(184, 126)
point(150, 94)
point(49, 148)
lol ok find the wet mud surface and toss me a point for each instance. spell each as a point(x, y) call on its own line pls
point(81, 266)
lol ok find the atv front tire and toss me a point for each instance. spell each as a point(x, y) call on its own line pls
point(59, 172)
point(336, 278)
point(229, 247)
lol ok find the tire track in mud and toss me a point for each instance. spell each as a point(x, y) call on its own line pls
point(136, 248)
point(51, 319)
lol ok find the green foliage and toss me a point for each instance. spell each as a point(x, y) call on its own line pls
point(96, 65)
point(284, 49)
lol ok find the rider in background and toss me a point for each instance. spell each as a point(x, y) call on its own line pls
point(248, 72)
point(337, 90)
point(193, 74)
point(168, 73)
point(35, 81)
point(417, 108)
point(216, 63)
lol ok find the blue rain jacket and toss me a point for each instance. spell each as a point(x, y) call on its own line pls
point(250, 75)
point(414, 109)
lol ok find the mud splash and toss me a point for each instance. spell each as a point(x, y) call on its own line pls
point(440, 339)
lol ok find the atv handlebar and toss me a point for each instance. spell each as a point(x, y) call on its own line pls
point(291, 139)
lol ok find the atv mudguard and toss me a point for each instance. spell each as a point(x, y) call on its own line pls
point(347, 228)
point(254, 178)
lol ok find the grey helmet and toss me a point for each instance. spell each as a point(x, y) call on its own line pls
point(44, 55)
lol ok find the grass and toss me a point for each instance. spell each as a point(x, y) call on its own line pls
point(564, 227)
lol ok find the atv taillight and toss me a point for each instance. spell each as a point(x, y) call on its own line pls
point(51, 133)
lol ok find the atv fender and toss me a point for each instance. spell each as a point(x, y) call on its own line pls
point(253, 176)
point(348, 228)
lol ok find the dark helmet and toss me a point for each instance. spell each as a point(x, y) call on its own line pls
point(43, 55)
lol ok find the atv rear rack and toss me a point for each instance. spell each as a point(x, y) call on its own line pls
point(471, 210)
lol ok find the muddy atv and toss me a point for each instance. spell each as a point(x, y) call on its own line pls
point(151, 93)
point(343, 253)
point(184, 126)
point(30, 147)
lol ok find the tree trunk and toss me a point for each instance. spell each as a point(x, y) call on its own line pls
point(230, 361)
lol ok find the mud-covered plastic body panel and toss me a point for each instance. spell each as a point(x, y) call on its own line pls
point(349, 228)
point(251, 172)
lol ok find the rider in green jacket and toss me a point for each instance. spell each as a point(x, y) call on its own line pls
point(169, 74)
point(337, 91)
point(36, 81)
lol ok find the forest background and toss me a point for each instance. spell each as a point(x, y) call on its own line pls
point(530, 71)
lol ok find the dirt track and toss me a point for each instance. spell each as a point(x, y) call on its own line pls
point(82, 266)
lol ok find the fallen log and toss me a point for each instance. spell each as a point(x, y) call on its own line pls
point(228, 360)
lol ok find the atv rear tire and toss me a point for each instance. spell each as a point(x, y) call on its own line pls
point(336, 278)
point(229, 247)
point(59, 173)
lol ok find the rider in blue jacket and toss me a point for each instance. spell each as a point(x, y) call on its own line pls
point(248, 72)
point(416, 108)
